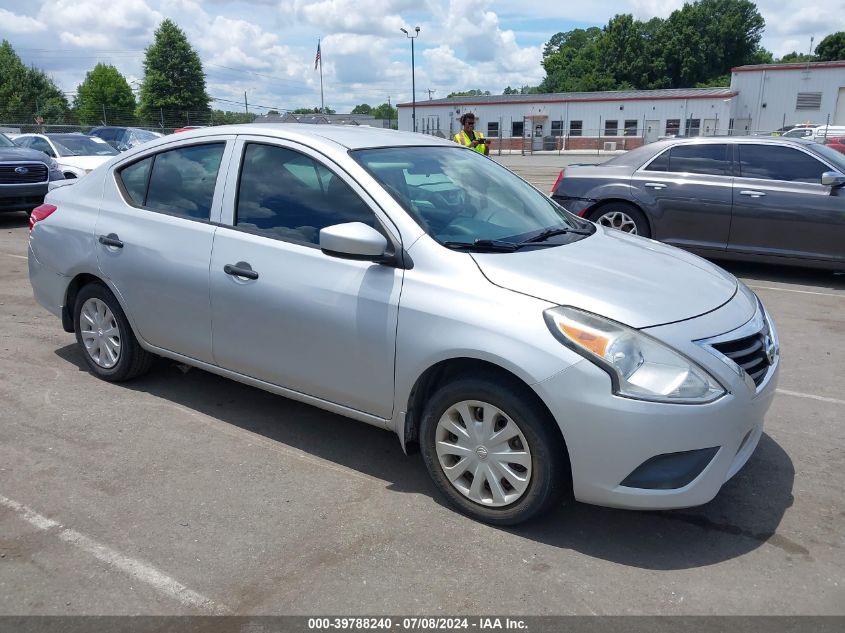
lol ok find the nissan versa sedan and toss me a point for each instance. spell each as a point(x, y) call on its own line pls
point(413, 284)
point(776, 200)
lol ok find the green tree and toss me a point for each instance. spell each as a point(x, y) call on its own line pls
point(174, 82)
point(385, 111)
point(831, 48)
point(469, 93)
point(364, 108)
point(314, 110)
point(104, 97)
point(27, 93)
point(219, 117)
point(696, 45)
point(796, 58)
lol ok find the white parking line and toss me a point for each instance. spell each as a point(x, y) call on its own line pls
point(139, 570)
point(17, 256)
point(803, 292)
point(809, 396)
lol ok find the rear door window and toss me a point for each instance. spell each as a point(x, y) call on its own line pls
point(180, 182)
point(704, 159)
point(776, 162)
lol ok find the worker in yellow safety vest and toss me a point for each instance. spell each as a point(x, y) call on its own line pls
point(469, 137)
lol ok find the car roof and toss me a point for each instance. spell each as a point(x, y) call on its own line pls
point(349, 136)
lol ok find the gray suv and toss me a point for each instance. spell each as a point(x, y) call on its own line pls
point(767, 199)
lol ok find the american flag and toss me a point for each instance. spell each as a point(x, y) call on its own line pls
point(317, 58)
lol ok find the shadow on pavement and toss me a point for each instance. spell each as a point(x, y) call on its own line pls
point(785, 274)
point(744, 515)
point(13, 220)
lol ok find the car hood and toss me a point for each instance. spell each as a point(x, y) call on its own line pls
point(22, 153)
point(83, 162)
point(632, 280)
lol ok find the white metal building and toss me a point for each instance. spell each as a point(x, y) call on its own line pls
point(760, 99)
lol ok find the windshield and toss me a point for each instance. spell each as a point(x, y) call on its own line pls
point(82, 146)
point(136, 137)
point(5, 141)
point(461, 198)
point(831, 155)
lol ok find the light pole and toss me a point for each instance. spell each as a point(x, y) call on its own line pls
point(413, 82)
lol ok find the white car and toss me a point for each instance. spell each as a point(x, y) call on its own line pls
point(76, 154)
point(408, 282)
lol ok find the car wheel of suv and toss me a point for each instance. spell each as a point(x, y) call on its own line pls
point(622, 217)
point(108, 345)
point(492, 450)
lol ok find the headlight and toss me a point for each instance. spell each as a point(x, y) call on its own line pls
point(53, 165)
point(639, 366)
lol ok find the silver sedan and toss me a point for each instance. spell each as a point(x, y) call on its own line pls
point(418, 286)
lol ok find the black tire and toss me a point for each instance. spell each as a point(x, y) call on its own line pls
point(132, 359)
point(638, 217)
point(550, 473)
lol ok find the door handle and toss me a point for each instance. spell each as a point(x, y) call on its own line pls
point(656, 185)
point(752, 193)
point(110, 240)
point(241, 269)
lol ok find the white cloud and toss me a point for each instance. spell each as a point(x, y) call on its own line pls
point(14, 23)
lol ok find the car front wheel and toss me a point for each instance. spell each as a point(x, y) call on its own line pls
point(492, 450)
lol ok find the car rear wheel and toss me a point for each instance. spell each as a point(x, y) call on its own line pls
point(492, 450)
point(108, 345)
point(622, 217)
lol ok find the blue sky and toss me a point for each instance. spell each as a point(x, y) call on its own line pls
point(267, 47)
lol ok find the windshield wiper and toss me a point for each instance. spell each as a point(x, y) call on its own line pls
point(542, 236)
point(491, 246)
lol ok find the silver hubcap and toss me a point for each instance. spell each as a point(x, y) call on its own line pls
point(483, 453)
point(100, 333)
point(619, 221)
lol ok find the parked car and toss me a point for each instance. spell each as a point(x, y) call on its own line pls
point(76, 154)
point(836, 143)
point(24, 175)
point(124, 138)
point(816, 132)
point(527, 352)
point(770, 199)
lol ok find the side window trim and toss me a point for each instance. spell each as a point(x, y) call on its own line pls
point(385, 224)
point(784, 145)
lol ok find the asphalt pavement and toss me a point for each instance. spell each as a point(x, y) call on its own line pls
point(186, 493)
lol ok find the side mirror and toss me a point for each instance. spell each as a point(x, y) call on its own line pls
point(353, 240)
point(833, 179)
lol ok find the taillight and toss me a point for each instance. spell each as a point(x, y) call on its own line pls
point(39, 213)
point(557, 182)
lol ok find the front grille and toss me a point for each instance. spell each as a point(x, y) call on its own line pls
point(10, 173)
point(749, 353)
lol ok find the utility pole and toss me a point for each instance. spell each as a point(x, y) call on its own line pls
point(430, 91)
point(246, 105)
point(389, 114)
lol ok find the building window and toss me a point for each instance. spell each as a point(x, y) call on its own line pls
point(673, 126)
point(611, 128)
point(557, 128)
point(631, 127)
point(493, 128)
point(518, 128)
point(575, 128)
point(809, 101)
point(693, 127)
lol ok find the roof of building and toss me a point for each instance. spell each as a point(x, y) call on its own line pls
point(798, 66)
point(563, 97)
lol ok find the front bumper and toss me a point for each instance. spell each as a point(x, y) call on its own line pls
point(609, 436)
point(22, 197)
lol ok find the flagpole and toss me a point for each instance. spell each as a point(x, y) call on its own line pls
point(322, 104)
